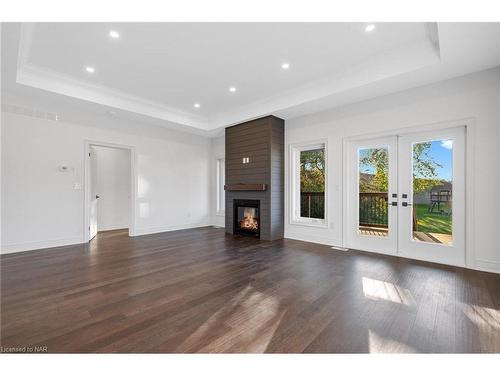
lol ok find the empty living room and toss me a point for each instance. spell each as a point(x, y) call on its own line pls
point(262, 185)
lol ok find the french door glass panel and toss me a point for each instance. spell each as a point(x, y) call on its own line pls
point(373, 218)
point(433, 191)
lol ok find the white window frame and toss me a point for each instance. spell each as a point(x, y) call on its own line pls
point(295, 151)
point(221, 180)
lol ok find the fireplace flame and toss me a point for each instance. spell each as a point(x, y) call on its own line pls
point(249, 222)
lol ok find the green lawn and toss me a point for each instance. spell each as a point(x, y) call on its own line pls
point(432, 222)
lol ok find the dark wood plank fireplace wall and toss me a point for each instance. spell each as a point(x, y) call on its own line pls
point(255, 170)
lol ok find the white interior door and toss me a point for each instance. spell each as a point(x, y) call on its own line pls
point(432, 196)
point(93, 194)
point(372, 184)
point(406, 195)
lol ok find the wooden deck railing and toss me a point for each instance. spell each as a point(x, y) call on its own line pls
point(373, 209)
point(312, 204)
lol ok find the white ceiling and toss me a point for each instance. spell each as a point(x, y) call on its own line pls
point(159, 70)
point(177, 64)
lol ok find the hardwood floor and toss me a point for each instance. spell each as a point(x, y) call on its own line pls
point(200, 290)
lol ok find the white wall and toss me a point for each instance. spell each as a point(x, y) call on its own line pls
point(473, 96)
point(43, 207)
point(217, 152)
point(113, 187)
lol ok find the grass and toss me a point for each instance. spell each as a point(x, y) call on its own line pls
point(432, 222)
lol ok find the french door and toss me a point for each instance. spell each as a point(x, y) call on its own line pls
point(406, 195)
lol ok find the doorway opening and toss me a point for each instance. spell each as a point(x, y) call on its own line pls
point(109, 189)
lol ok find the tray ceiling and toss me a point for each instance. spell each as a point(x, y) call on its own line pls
point(161, 70)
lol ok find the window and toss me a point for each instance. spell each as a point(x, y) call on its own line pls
point(309, 184)
point(221, 170)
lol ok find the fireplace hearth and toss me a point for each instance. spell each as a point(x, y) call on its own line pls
point(246, 217)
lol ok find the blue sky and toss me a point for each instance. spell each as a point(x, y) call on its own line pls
point(440, 151)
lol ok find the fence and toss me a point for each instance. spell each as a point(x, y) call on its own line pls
point(312, 204)
point(373, 209)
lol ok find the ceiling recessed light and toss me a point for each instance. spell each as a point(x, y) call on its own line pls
point(285, 66)
point(232, 89)
point(370, 27)
point(90, 69)
point(114, 34)
point(196, 105)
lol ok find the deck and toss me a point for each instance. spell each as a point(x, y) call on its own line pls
point(441, 238)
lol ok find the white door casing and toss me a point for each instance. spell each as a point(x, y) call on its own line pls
point(93, 194)
point(89, 192)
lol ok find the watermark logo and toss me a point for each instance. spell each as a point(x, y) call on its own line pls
point(24, 349)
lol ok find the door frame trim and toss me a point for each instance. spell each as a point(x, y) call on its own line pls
point(470, 125)
point(86, 188)
point(374, 142)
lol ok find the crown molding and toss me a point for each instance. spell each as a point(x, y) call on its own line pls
point(46, 79)
point(299, 101)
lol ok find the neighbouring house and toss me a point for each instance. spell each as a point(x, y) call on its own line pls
point(424, 197)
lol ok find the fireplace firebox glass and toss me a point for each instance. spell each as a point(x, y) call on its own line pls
point(246, 217)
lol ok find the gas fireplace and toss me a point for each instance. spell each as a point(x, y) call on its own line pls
point(246, 217)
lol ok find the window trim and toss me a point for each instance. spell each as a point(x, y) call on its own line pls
point(294, 207)
point(220, 209)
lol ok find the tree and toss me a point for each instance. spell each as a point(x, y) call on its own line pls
point(376, 164)
point(312, 180)
point(375, 159)
point(424, 168)
point(312, 170)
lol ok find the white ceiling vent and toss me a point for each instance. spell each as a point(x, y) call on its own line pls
point(31, 112)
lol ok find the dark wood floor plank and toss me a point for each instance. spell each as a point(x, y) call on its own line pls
point(200, 290)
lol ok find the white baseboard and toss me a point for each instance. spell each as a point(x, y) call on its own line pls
point(36, 245)
point(487, 266)
point(313, 238)
point(480, 264)
point(219, 220)
point(111, 227)
point(141, 231)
